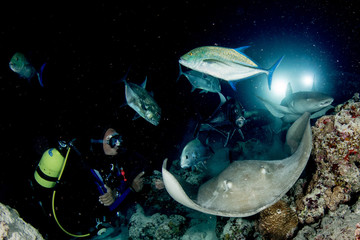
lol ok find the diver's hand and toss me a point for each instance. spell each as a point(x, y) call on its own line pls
point(159, 184)
point(138, 182)
point(108, 198)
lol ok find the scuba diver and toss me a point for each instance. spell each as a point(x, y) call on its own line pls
point(226, 120)
point(99, 185)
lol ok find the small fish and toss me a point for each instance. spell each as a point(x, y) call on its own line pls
point(142, 102)
point(195, 154)
point(20, 65)
point(225, 63)
point(202, 81)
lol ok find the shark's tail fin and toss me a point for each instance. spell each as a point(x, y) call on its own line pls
point(271, 71)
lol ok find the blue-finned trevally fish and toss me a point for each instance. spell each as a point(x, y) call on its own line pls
point(195, 154)
point(20, 65)
point(142, 102)
point(225, 63)
point(201, 81)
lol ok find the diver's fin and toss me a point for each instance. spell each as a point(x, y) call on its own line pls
point(271, 71)
point(40, 75)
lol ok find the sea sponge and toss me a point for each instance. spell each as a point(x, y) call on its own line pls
point(278, 221)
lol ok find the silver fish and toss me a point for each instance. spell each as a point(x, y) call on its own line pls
point(142, 102)
point(295, 104)
point(20, 65)
point(225, 63)
point(195, 154)
point(247, 187)
point(202, 81)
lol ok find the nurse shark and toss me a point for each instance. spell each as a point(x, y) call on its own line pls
point(295, 104)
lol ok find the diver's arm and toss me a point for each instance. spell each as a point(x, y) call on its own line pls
point(138, 182)
point(108, 198)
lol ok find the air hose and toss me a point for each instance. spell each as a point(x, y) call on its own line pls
point(53, 202)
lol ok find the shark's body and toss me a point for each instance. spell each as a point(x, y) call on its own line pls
point(295, 104)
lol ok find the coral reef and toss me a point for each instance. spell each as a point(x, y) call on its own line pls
point(236, 229)
point(13, 227)
point(278, 221)
point(336, 154)
point(337, 225)
point(201, 227)
point(157, 226)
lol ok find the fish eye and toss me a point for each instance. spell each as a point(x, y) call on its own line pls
point(190, 53)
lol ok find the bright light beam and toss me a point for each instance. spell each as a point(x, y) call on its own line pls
point(308, 80)
point(279, 87)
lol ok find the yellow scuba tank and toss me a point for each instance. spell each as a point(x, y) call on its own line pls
point(49, 168)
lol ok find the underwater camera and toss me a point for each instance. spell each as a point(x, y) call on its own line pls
point(49, 168)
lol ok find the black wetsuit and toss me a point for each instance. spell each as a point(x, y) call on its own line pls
point(77, 199)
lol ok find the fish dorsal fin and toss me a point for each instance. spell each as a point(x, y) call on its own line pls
point(241, 49)
point(313, 84)
point(288, 90)
point(136, 116)
point(143, 85)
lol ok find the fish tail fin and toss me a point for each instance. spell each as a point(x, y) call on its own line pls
point(40, 75)
point(180, 73)
point(271, 71)
point(232, 85)
point(123, 79)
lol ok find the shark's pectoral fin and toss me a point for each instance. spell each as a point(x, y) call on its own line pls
point(321, 112)
point(175, 190)
point(275, 109)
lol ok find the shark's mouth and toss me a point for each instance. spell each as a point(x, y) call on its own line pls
point(326, 103)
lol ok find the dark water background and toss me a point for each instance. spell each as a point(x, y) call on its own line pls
point(89, 47)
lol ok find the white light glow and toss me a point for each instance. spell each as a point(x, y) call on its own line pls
point(308, 80)
point(279, 87)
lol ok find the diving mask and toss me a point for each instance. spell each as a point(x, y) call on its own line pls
point(240, 121)
point(114, 140)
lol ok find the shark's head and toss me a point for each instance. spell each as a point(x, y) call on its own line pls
point(309, 102)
